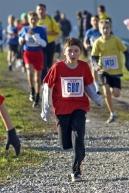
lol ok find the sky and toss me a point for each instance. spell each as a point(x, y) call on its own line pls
point(117, 9)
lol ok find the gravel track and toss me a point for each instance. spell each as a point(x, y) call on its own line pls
point(105, 168)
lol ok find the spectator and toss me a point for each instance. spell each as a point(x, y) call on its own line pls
point(80, 25)
point(86, 20)
point(1, 37)
point(58, 41)
point(57, 16)
point(102, 14)
point(66, 26)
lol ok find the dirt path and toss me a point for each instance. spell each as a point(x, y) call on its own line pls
point(105, 168)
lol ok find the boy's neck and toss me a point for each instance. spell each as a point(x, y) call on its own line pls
point(105, 37)
point(71, 64)
point(32, 26)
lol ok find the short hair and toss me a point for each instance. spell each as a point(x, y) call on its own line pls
point(102, 8)
point(41, 5)
point(32, 13)
point(95, 16)
point(71, 41)
point(104, 22)
point(11, 17)
point(79, 14)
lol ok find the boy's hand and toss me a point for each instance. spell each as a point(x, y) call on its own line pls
point(30, 32)
point(22, 41)
point(13, 140)
point(45, 116)
point(99, 100)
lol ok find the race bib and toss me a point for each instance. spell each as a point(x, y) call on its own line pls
point(72, 87)
point(110, 62)
point(30, 42)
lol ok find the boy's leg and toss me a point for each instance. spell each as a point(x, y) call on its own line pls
point(78, 133)
point(116, 92)
point(96, 81)
point(50, 53)
point(9, 59)
point(109, 103)
point(111, 86)
point(29, 71)
point(64, 131)
point(13, 57)
point(37, 82)
point(108, 97)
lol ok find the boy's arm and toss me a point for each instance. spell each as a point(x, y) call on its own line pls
point(21, 37)
point(39, 40)
point(21, 40)
point(95, 60)
point(126, 54)
point(12, 138)
point(91, 92)
point(46, 98)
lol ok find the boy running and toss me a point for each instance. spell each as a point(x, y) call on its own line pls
point(34, 39)
point(12, 41)
point(90, 36)
point(106, 55)
point(70, 81)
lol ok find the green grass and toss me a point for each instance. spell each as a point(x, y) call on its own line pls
point(27, 121)
point(11, 166)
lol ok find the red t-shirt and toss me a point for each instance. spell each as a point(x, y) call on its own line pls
point(68, 86)
point(1, 99)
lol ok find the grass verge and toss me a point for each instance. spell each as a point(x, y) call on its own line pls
point(11, 166)
point(27, 121)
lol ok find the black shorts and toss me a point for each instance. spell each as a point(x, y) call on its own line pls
point(58, 48)
point(13, 48)
point(113, 81)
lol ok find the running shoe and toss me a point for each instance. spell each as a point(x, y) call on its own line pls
point(99, 93)
point(31, 97)
point(76, 178)
point(10, 67)
point(111, 118)
point(36, 102)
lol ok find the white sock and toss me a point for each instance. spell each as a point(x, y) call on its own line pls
point(96, 86)
point(112, 114)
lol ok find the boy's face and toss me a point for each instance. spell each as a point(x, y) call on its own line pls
point(11, 20)
point(41, 11)
point(32, 20)
point(94, 22)
point(72, 53)
point(105, 29)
